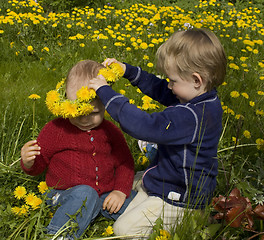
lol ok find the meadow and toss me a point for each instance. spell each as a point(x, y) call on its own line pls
point(39, 45)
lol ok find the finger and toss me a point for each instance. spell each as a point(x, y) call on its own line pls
point(105, 203)
point(109, 61)
point(30, 143)
point(117, 208)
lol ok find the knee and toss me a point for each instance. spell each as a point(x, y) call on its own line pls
point(120, 228)
point(83, 192)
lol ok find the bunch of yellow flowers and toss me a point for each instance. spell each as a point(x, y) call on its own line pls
point(31, 200)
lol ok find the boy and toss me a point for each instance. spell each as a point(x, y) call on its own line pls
point(183, 172)
point(87, 159)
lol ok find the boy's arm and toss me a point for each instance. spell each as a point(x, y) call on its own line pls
point(150, 85)
point(175, 125)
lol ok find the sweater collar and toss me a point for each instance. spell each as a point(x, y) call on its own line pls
point(203, 97)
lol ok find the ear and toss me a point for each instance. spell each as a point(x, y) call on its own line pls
point(197, 79)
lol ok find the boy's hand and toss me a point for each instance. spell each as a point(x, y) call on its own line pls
point(114, 201)
point(109, 61)
point(29, 152)
point(97, 82)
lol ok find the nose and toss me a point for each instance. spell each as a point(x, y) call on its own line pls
point(83, 118)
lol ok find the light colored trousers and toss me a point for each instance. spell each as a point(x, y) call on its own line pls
point(142, 212)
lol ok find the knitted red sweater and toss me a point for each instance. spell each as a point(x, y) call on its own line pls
point(99, 158)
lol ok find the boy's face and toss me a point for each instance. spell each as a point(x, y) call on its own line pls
point(93, 120)
point(184, 89)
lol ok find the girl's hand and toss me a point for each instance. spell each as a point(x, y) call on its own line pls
point(97, 82)
point(29, 152)
point(114, 201)
point(109, 61)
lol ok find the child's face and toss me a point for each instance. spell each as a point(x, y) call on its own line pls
point(184, 89)
point(93, 120)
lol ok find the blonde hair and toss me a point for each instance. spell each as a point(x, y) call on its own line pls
point(194, 51)
point(81, 73)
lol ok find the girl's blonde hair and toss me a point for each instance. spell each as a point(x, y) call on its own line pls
point(82, 72)
point(194, 51)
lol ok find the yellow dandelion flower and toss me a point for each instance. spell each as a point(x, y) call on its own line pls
point(52, 96)
point(108, 231)
point(260, 144)
point(60, 84)
point(56, 109)
point(131, 101)
point(35, 203)
point(69, 109)
point(247, 134)
point(117, 69)
point(251, 103)
point(143, 45)
point(150, 65)
point(234, 66)
point(30, 48)
point(164, 233)
point(34, 96)
point(29, 198)
point(145, 57)
point(238, 116)
point(248, 42)
point(260, 112)
point(234, 94)
point(243, 59)
point(107, 75)
point(85, 109)
point(260, 93)
point(16, 210)
point(144, 160)
point(23, 210)
point(84, 94)
point(20, 192)
point(245, 95)
point(121, 91)
point(42, 187)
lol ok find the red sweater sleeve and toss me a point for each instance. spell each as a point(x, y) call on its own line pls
point(46, 140)
point(124, 172)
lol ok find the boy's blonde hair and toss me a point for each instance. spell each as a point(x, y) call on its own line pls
point(194, 51)
point(81, 73)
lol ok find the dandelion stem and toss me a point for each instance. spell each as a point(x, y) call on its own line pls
point(237, 146)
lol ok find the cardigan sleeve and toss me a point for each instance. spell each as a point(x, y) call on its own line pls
point(124, 163)
point(47, 141)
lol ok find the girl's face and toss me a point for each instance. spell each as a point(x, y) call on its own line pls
point(93, 120)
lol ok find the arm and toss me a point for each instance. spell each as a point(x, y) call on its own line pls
point(149, 84)
point(175, 125)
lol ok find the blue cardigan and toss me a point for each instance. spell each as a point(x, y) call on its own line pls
point(184, 170)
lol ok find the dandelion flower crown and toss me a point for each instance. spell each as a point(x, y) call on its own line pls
point(60, 106)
